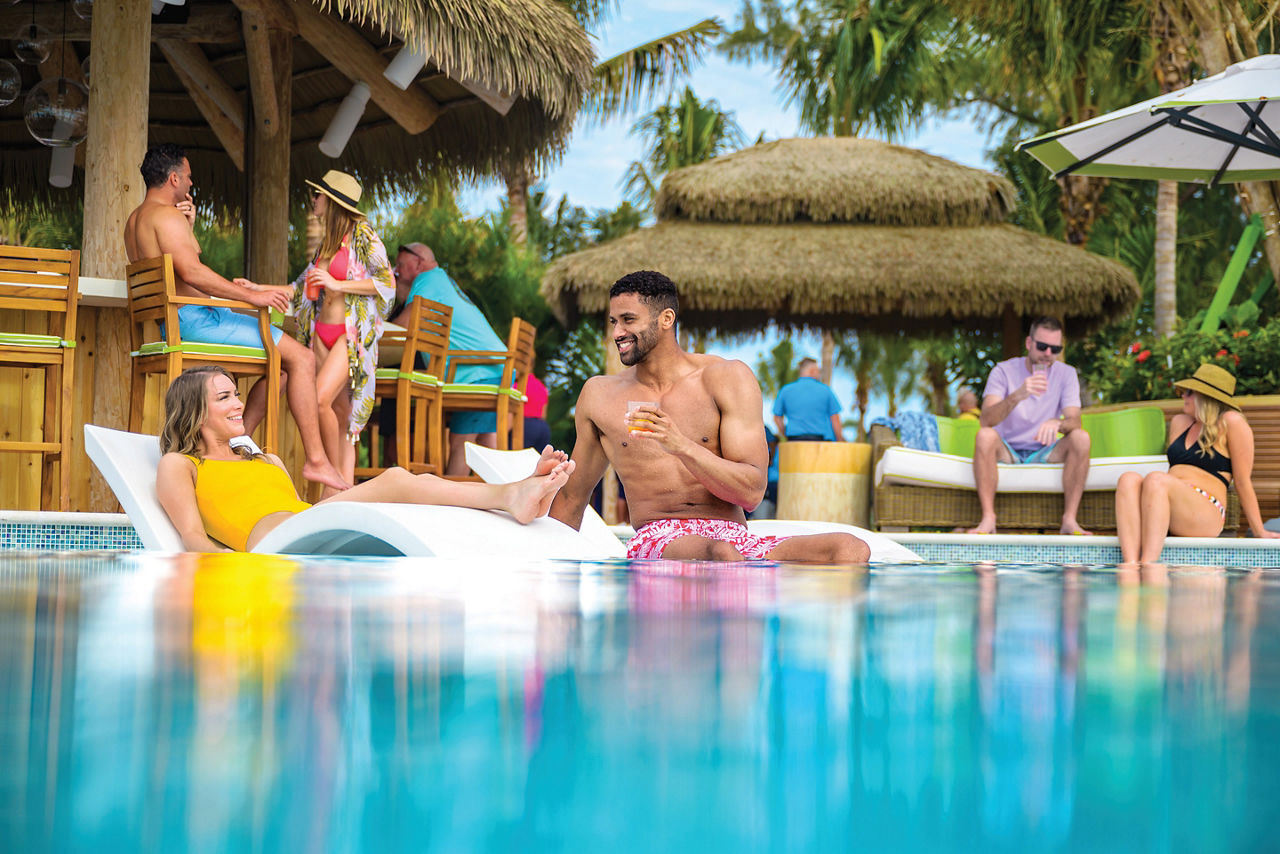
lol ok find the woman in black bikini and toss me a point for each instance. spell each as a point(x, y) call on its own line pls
point(1210, 446)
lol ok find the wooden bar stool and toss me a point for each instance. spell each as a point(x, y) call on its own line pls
point(39, 292)
point(158, 348)
point(506, 397)
point(416, 389)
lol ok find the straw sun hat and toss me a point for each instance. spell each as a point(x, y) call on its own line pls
point(341, 188)
point(1213, 382)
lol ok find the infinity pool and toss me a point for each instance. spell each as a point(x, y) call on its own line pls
point(241, 703)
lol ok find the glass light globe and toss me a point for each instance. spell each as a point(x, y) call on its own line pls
point(84, 70)
point(57, 112)
point(31, 44)
point(10, 82)
point(83, 8)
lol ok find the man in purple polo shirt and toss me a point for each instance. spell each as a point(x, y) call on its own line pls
point(1028, 401)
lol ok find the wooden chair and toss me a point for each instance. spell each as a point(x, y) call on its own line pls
point(158, 348)
point(506, 398)
point(39, 293)
point(416, 390)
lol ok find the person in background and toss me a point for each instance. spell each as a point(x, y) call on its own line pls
point(807, 410)
point(161, 225)
point(537, 432)
point(339, 300)
point(967, 405)
point(470, 330)
point(1210, 447)
point(1028, 401)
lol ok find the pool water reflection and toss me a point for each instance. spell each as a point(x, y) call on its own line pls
point(234, 702)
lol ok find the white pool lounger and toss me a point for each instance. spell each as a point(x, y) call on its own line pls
point(128, 462)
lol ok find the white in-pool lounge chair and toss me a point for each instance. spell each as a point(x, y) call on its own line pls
point(505, 466)
point(128, 462)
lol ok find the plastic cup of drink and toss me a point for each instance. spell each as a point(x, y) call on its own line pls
point(1041, 369)
point(313, 286)
point(632, 406)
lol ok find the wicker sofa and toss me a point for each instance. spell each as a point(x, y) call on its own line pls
point(899, 506)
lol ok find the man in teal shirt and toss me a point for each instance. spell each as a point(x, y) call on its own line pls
point(416, 263)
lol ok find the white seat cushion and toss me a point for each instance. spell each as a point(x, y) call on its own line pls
point(909, 467)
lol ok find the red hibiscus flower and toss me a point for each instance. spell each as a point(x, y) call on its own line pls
point(1144, 355)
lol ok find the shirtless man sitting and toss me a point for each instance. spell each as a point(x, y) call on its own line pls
point(162, 225)
point(691, 460)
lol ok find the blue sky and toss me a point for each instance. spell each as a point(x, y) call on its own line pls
point(592, 169)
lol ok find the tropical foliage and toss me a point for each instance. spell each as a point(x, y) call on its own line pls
point(681, 132)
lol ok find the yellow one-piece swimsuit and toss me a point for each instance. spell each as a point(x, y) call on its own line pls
point(235, 495)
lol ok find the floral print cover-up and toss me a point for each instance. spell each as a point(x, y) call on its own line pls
point(367, 259)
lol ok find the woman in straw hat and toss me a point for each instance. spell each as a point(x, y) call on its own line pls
point(340, 300)
point(1210, 447)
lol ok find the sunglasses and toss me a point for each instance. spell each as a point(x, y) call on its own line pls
point(1055, 349)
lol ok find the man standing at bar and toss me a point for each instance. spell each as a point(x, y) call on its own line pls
point(807, 410)
point(1028, 401)
point(161, 225)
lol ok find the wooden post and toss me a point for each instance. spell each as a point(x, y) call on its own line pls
point(268, 176)
point(1013, 336)
point(118, 94)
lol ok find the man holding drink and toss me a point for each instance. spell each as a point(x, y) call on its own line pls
point(1027, 403)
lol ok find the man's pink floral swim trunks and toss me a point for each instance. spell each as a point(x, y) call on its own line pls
point(651, 539)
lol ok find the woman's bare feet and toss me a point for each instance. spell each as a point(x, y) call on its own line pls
point(530, 498)
point(322, 471)
point(549, 460)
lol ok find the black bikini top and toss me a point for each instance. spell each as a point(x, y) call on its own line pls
point(1216, 464)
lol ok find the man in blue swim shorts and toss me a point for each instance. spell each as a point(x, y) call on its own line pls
point(1028, 402)
point(161, 225)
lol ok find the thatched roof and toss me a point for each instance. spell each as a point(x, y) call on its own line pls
point(844, 234)
point(839, 179)
point(533, 50)
point(736, 278)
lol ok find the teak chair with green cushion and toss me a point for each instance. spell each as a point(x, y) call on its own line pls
point(39, 292)
point(417, 390)
point(506, 398)
point(157, 347)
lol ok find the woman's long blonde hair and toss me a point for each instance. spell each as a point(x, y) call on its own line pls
point(1209, 414)
point(186, 405)
point(337, 224)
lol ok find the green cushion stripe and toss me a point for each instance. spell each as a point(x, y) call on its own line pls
point(22, 339)
point(200, 348)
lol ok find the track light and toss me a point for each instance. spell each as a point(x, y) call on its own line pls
point(345, 120)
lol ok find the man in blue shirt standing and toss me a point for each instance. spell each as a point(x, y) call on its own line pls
point(807, 410)
point(416, 263)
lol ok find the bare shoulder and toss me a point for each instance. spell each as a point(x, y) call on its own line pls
point(172, 464)
point(604, 387)
point(1233, 420)
point(722, 375)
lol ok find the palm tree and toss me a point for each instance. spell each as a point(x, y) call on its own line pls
point(852, 65)
point(776, 368)
point(622, 84)
point(679, 133)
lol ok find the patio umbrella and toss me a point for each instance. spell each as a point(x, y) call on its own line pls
point(1213, 131)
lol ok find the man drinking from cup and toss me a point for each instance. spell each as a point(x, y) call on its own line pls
point(1028, 402)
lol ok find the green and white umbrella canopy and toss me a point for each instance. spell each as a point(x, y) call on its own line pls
point(1217, 130)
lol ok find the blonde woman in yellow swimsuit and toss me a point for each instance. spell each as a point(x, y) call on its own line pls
point(218, 497)
point(1210, 447)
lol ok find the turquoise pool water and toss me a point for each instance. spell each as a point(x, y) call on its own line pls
point(240, 703)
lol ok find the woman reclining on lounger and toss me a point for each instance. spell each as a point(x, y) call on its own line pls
point(1210, 445)
point(210, 491)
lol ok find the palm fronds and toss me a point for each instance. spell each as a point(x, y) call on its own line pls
point(631, 80)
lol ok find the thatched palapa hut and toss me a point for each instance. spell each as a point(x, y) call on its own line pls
point(842, 234)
